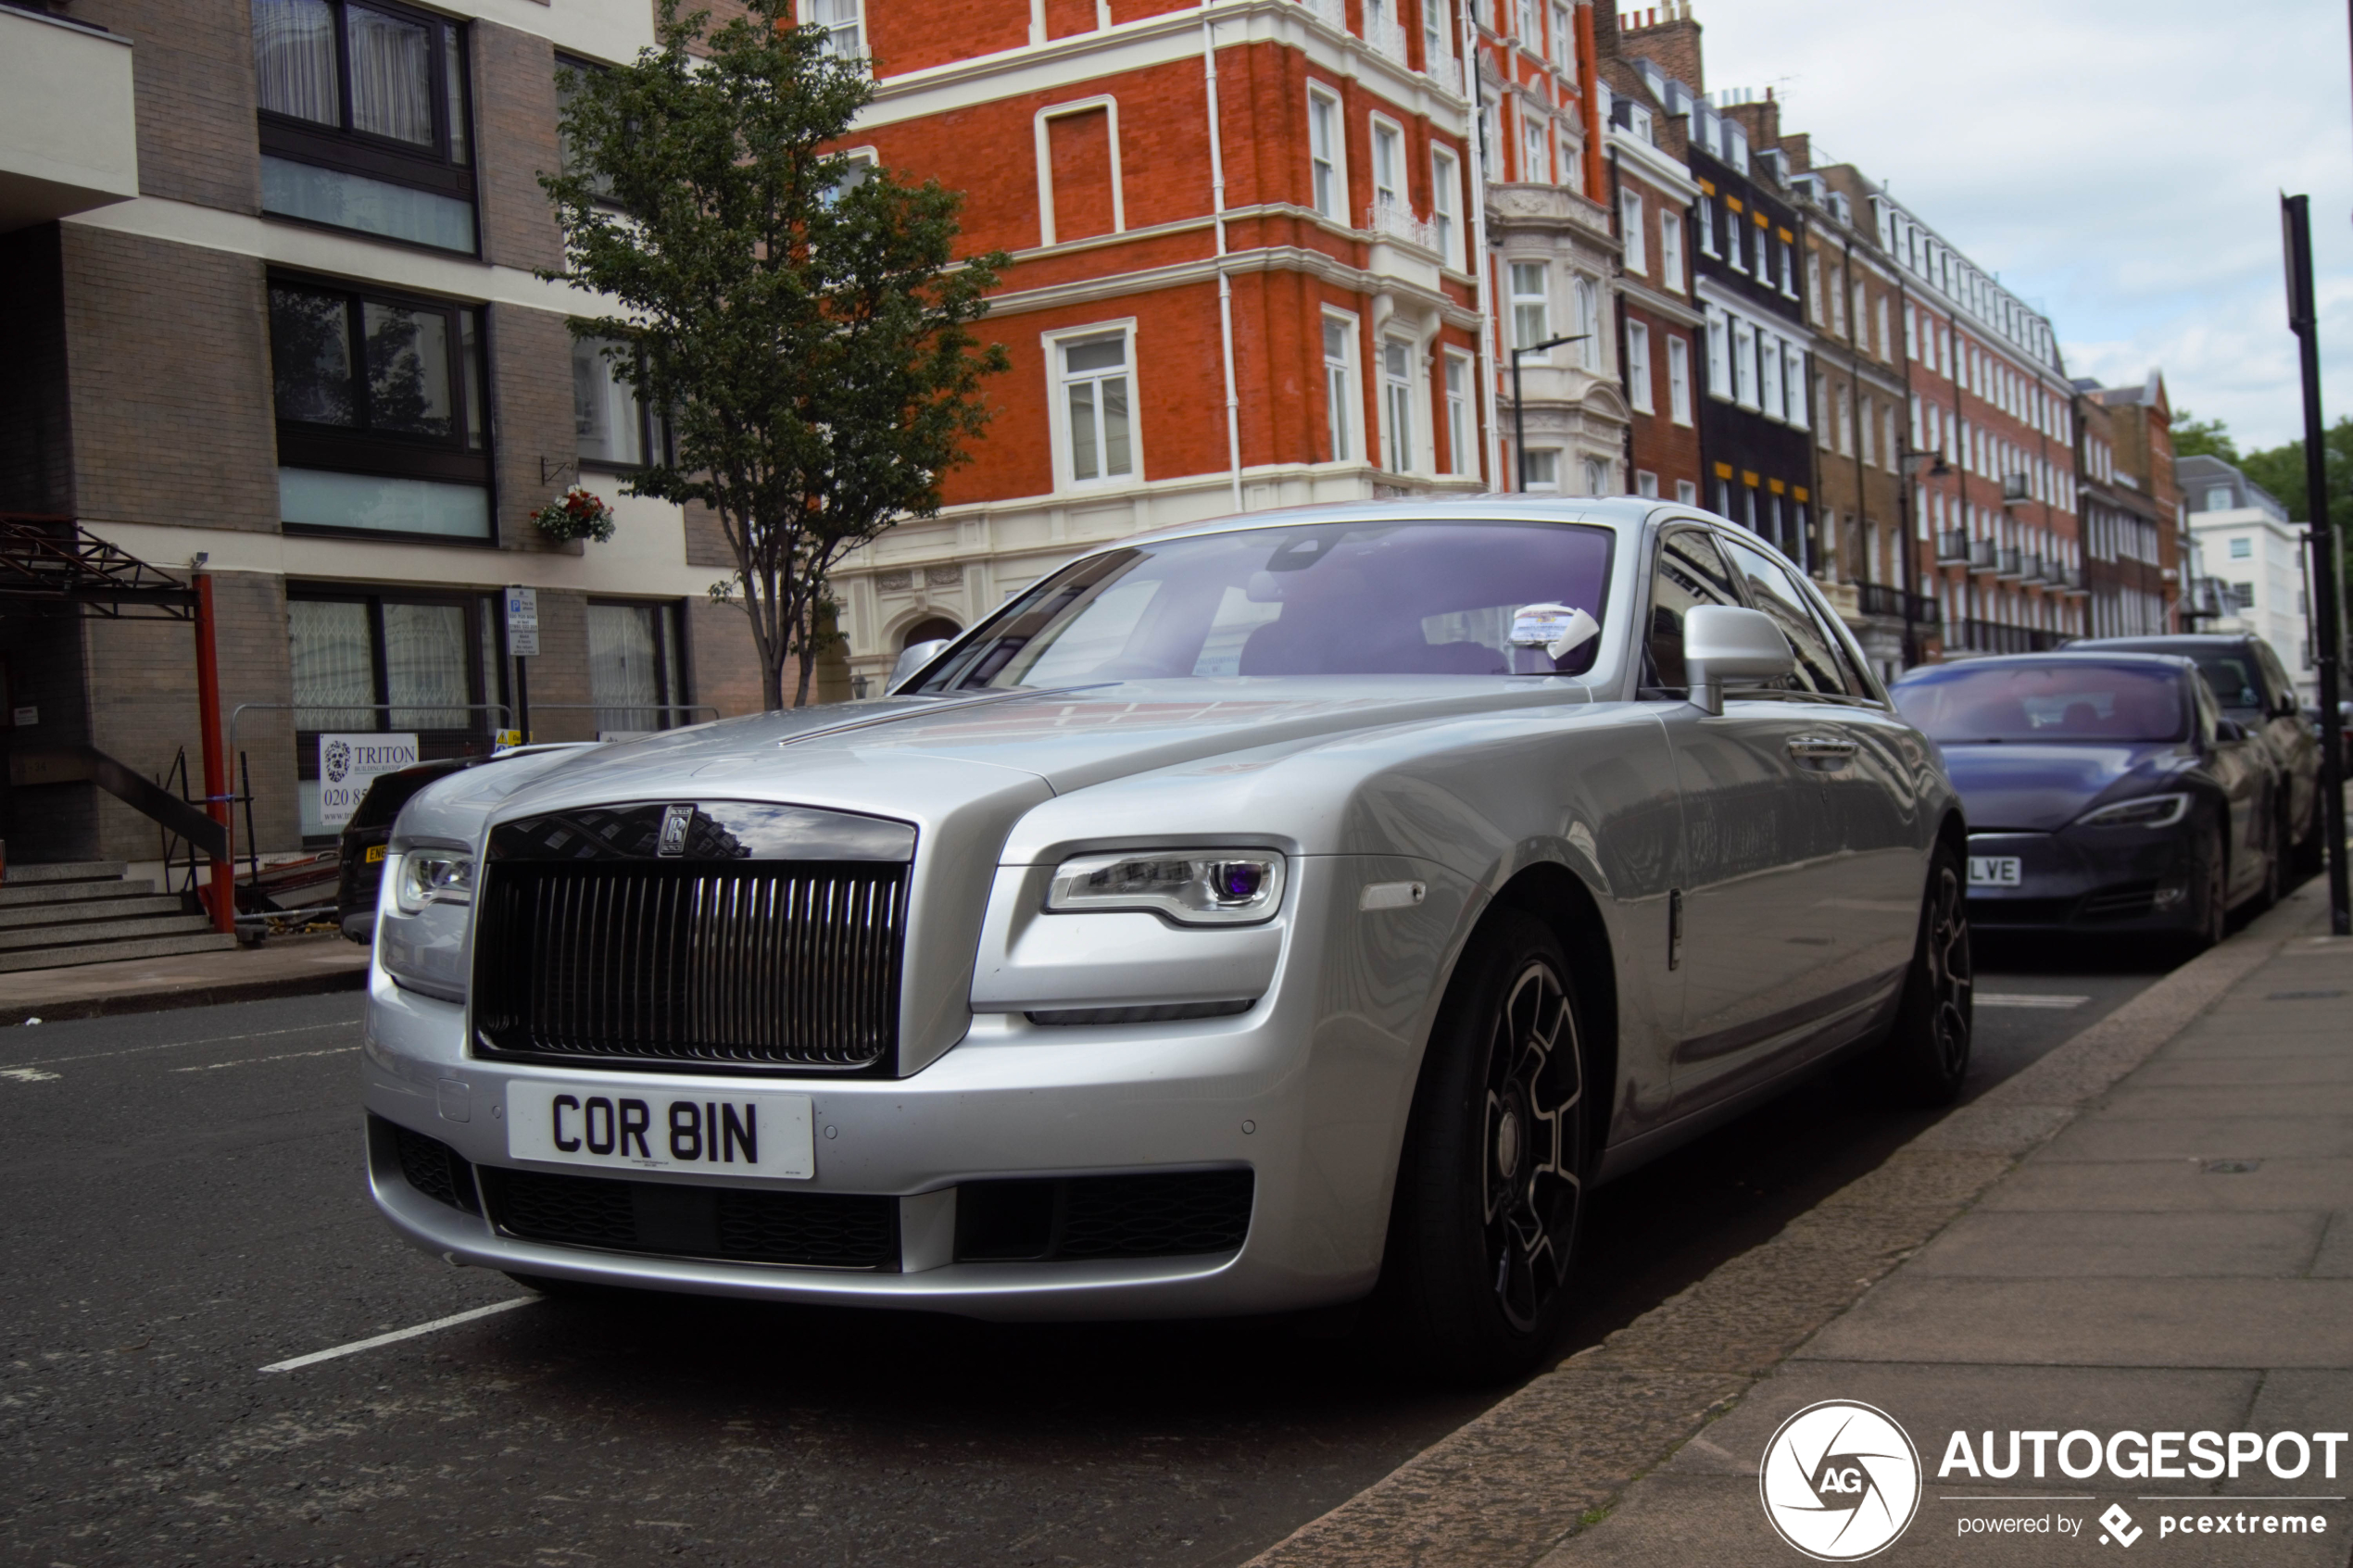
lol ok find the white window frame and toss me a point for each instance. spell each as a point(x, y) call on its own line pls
point(1646, 484)
point(1638, 368)
point(1708, 225)
point(1343, 390)
point(1789, 268)
point(1564, 41)
point(1585, 300)
point(1597, 474)
point(1462, 434)
point(1736, 241)
point(1745, 364)
point(1541, 301)
point(1678, 379)
point(1879, 320)
point(1686, 493)
point(1058, 379)
point(835, 27)
point(1535, 147)
point(1797, 409)
point(1769, 392)
point(1445, 199)
point(1814, 307)
point(1670, 250)
point(1386, 133)
point(1720, 355)
point(1110, 105)
point(1629, 213)
point(1552, 455)
point(1401, 449)
point(1327, 166)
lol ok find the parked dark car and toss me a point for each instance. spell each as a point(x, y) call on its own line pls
point(360, 846)
point(2255, 689)
point(2106, 792)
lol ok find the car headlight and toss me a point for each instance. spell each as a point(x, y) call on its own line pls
point(1190, 887)
point(433, 876)
point(2145, 811)
point(422, 917)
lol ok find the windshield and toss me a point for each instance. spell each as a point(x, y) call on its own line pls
point(1416, 598)
point(2059, 702)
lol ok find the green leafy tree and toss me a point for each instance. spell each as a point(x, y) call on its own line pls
point(2280, 470)
point(805, 325)
point(2194, 437)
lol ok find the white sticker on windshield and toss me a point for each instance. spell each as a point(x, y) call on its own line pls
point(1555, 628)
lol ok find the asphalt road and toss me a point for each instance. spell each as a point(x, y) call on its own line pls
point(181, 1204)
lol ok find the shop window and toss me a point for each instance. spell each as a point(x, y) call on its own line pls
point(363, 120)
point(404, 663)
point(380, 424)
point(635, 677)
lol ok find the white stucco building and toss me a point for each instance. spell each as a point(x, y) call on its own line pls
point(2246, 543)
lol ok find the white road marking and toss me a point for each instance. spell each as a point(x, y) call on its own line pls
point(181, 1045)
point(28, 1074)
point(2027, 999)
point(250, 1061)
point(298, 1362)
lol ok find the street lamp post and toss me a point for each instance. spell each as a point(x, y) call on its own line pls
point(2303, 319)
point(1520, 419)
point(1910, 461)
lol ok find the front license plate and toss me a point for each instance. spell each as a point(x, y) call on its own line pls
point(1994, 871)
point(652, 1130)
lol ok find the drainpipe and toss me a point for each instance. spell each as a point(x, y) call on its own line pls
point(1483, 266)
point(1224, 283)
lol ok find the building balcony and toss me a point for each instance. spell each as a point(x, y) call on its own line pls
point(69, 137)
point(1387, 35)
point(1395, 222)
point(1985, 636)
point(1883, 598)
point(2069, 579)
point(1952, 547)
point(1981, 555)
point(2033, 569)
point(2008, 565)
point(1331, 13)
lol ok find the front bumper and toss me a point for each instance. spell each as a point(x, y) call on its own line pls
point(2089, 880)
point(1310, 1101)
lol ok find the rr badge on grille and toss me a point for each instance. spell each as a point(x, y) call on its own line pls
point(675, 820)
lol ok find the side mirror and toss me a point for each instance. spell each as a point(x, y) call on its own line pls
point(2227, 731)
point(1724, 646)
point(916, 655)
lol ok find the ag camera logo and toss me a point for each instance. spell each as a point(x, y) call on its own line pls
point(1841, 1481)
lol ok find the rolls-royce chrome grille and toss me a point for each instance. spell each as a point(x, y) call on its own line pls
point(659, 937)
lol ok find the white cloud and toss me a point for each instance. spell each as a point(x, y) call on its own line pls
point(2118, 166)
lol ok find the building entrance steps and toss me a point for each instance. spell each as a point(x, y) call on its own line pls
point(2148, 1230)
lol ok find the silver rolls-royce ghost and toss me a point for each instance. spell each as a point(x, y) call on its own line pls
point(1243, 917)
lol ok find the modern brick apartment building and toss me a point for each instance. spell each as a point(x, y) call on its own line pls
point(292, 337)
point(2130, 547)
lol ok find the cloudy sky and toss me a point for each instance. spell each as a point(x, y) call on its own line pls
point(2118, 164)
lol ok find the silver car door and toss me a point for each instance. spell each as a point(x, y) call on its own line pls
point(1754, 924)
point(1867, 760)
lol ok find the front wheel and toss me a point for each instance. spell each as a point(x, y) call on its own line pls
point(1490, 1192)
point(2213, 911)
point(1927, 1053)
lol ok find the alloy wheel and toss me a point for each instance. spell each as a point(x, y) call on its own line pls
point(1950, 974)
point(1531, 1147)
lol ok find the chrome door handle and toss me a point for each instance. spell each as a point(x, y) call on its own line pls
point(1820, 749)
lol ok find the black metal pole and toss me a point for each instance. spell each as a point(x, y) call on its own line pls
point(1519, 425)
point(2296, 218)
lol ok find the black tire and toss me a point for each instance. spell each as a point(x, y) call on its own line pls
point(2213, 912)
point(1926, 1056)
point(1490, 1191)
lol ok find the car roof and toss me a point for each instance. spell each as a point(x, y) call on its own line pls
point(2159, 640)
point(2074, 654)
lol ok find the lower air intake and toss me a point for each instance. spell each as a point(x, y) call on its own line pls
point(820, 1230)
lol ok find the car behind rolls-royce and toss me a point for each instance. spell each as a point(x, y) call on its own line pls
point(1246, 917)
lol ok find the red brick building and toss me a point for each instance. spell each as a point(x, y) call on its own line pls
point(1241, 238)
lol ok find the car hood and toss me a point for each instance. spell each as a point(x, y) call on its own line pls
point(2026, 787)
point(916, 758)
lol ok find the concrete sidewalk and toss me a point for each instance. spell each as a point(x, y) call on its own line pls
point(2178, 1257)
point(282, 966)
point(2146, 1230)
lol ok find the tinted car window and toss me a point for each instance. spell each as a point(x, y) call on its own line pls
point(1819, 668)
point(1691, 572)
point(2062, 702)
point(2233, 678)
point(1331, 599)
